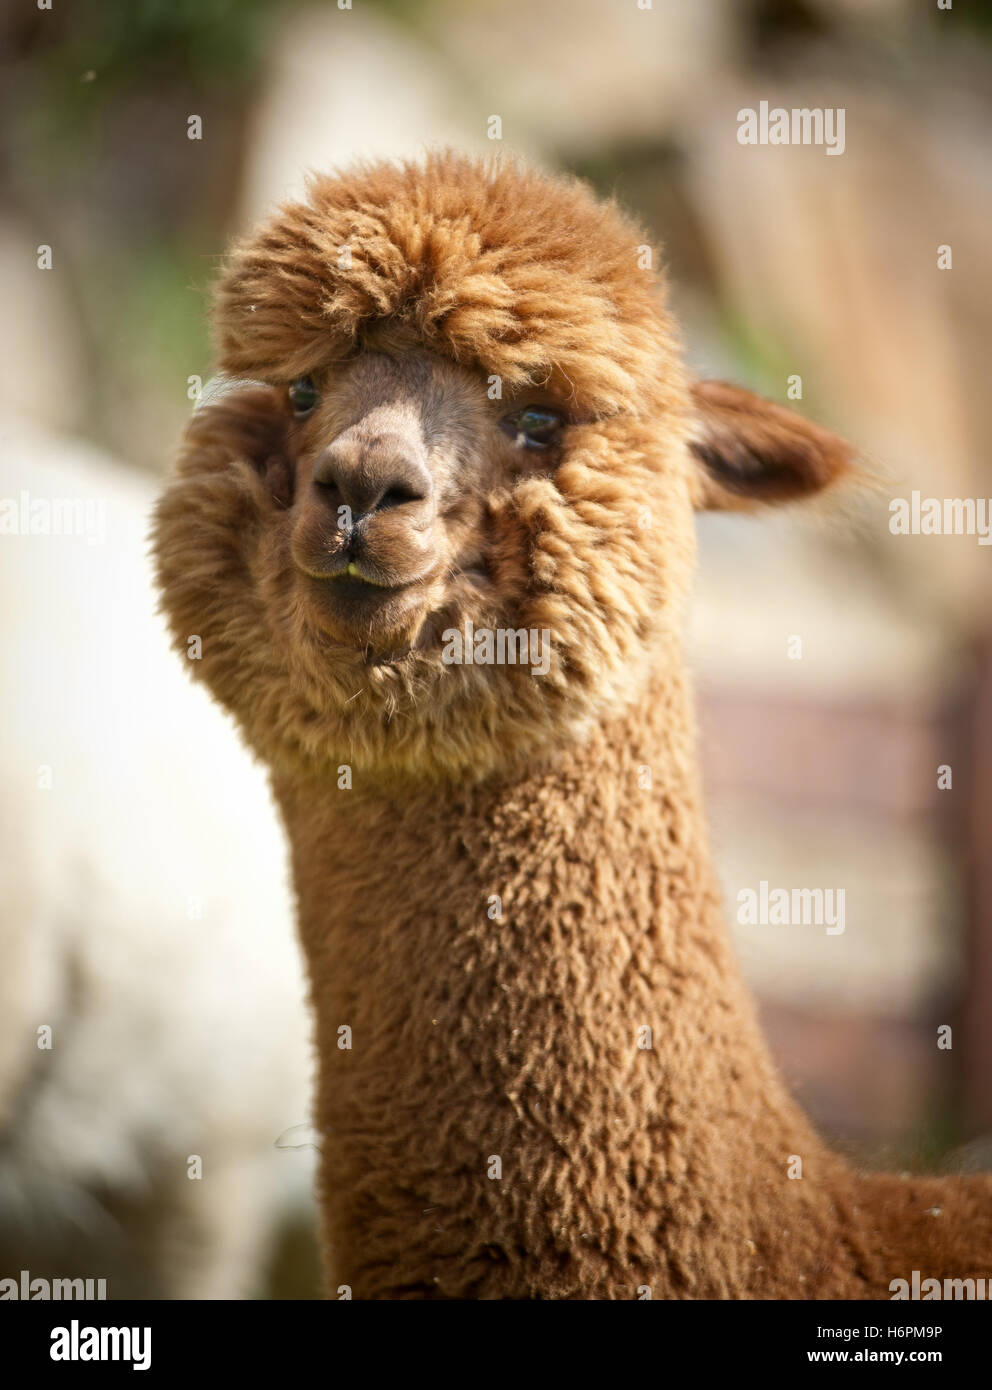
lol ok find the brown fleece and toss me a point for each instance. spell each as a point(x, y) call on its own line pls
point(541, 1075)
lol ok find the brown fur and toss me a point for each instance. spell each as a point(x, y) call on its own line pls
point(484, 1028)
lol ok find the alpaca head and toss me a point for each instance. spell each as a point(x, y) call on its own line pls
point(440, 517)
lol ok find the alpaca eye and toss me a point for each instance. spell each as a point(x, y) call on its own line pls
point(302, 395)
point(536, 427)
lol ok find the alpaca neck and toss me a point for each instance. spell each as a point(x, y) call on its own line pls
point(540, 1072)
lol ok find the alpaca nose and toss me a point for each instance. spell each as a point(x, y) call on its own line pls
point(371, 475)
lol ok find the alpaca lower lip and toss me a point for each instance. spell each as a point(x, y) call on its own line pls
point(357, 613)
point(351, 587)
point(351, 598)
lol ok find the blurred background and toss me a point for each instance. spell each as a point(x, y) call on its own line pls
point(785, 262)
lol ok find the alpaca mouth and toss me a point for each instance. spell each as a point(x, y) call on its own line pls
point(344, 568)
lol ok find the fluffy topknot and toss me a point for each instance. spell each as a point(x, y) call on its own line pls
point(501, 267)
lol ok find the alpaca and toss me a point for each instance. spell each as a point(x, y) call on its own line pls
point(129, 926)
point(455, 407)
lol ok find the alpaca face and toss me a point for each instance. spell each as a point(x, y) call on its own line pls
point(448, 522)
point(411, 570)
point(391, 460)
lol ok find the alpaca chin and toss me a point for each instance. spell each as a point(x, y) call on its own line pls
point(382, 622)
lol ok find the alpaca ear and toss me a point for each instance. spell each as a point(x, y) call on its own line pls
point(751, 451)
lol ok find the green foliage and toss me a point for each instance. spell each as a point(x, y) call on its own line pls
point(96, 54)
point(206, 39)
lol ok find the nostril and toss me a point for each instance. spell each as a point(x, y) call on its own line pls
point(326, 470)
point(327, 489)
point(397, 495)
